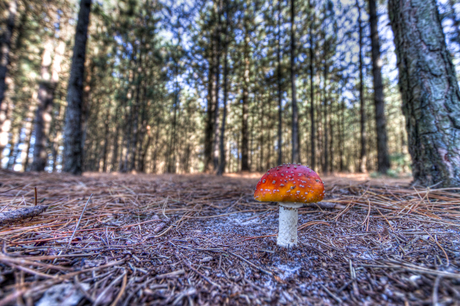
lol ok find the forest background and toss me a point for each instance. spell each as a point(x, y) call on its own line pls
point(207, 86)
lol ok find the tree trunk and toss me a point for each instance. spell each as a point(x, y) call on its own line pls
point(217, 85)
point(383, 159)
point(144, 150)
point(209, 128)
point(362, 111)
point(325, 123)
point(280, 95)
point(312, 90)
point(430, 92)
point(106, 140)
point(135, 136)
point(245, 102)
point(341, 133)
point(73, 149)
point(46, 92)
point(14, 148)
point(155, 151)
point(6, 48)
point(295, 115)
point(172, 140)
point(262, 130)
point(222, 162)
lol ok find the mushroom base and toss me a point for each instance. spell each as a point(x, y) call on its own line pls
point(287, 233)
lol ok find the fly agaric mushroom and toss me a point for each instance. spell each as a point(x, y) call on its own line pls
point(291, 186)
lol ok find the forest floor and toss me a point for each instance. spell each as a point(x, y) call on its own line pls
point(201, 239)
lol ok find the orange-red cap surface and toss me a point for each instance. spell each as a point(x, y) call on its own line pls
point(290, 183)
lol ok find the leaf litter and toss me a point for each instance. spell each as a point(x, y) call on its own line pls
point(203, 240)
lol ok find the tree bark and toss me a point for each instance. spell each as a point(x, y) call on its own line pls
point(5, 125)
point(46, 90)
point(325, 123)
point(135, 135)
point(312, 90)
point(362, 111)
point(209, 128)
point(6, 48)
point(383, 159)
point(430, 93)
point(245, 102)
point(342, 133)
point(295, 114)
point(217, 87)
point(280, 95)
point(222, 162)
point(106, 140)
point(171, 158)
point(73, 149)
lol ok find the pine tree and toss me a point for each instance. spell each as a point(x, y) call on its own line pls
point(429, 92)
point(73, 146)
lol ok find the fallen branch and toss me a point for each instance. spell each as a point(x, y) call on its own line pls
point(22, 213)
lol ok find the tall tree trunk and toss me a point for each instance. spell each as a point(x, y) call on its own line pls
point(245, 101)
point(312, 89)
point(12, 148)
point(106, 140)
point(341, 133)
point(144, 151)
point(172, 140)
point(331, 131)
point(115, 140)
point(222, 162)
point(155, 151)
point(135, 136)
point(46, 90)
point(430, 93)
point(217, 87)
point(325, 123)
point(90, 83)
point(362, 110)
point(295, 113)
point(6, 48)
point(262, 130)
point(280, 94)
point(73, 149)
point(5, 124)
point(383, 159)
point(209, 128)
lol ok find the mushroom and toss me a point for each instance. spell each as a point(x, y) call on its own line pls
point(291, 186)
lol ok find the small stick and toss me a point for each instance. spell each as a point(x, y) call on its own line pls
point(434, 296)
point(122, 290)
point(36, 195)
point(338, 300)
point(312, 223)
point(21, 213)
point(257, 237)
point(78, 223)
point(250, 263)
point(367, 217)
point(392, 228)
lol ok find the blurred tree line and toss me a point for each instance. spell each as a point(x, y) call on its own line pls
point(215, 86)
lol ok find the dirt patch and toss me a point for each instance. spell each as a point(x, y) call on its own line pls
point(199, 239)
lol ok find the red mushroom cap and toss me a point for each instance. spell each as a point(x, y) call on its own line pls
point(290, 183)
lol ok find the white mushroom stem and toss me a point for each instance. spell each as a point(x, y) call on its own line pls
point(287, 233)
